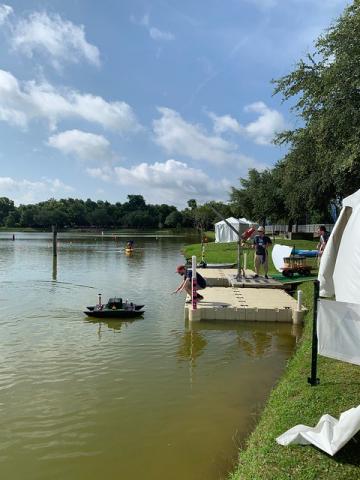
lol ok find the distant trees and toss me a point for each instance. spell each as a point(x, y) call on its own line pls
point(174, 219)
point(73, 213)
point(7, 208)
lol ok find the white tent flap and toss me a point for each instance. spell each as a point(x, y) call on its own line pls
point(340, 263)
point(338, 325)
point(330, 434)
point(278, 254)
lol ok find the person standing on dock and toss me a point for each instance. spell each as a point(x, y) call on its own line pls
point(261, 245)
point(186, 283)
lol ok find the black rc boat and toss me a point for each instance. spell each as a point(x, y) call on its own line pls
point(115, 308)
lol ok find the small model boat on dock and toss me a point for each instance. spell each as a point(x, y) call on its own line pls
point(115, 308)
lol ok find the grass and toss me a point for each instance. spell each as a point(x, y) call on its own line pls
point(227, 252)
point(293, 401)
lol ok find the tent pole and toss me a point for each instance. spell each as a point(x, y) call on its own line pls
point(313, 380)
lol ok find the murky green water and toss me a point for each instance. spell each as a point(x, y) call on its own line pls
point(83, 399)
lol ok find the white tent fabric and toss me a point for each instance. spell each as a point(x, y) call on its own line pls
point(223, 233)
point(329, 434)
point(340, 263)
point(338, 325)
point(278, 254)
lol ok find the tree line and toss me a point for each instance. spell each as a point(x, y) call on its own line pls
point(135, 213)
point(322, 164)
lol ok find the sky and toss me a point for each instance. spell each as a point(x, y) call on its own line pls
point(170, 100)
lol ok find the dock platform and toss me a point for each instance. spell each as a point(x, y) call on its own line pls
point(226, 277)
point(246, 304)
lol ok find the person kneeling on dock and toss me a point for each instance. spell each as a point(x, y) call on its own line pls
point(186, 283)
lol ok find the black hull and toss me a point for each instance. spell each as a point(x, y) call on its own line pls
point(114, 313)
point(137, 307)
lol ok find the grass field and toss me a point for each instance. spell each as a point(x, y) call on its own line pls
point(227, 252)
point(294, 401)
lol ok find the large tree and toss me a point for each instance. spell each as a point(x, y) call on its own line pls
point(322, 165)
point(259, 197)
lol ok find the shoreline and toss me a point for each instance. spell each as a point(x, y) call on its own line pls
point(293, 401)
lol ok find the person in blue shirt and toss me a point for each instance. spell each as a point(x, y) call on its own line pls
point(186, 283)
point(261, 244)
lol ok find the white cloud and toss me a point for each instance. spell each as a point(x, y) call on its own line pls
point(261, 131)
point(22, 102)
point(154, 32)
point(225, 123)
point(26, 191)
point(85, 146)
point(5, 11)
point(269, 122)
point(13, 117)
point(179, 137)
point(157, 34)
point(59, 40)
point(171, 181)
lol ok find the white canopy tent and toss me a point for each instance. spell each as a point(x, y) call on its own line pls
point(338, 325)
point(224, 234)
point(340, 262)
point(338, 322)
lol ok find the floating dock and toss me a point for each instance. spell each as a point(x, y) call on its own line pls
point(246, 299)
point(226, 277)
point(247, 304)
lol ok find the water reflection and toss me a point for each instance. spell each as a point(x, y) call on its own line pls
point(112, 324)
point(254, 343)
point(253, 340)
point(191, 346)
point(54, 268)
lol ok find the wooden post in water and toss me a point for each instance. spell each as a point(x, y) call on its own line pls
point(54, 270)
point(54, 232)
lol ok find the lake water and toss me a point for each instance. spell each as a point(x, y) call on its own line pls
point(151, 398)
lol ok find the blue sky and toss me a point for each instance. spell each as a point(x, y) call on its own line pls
point(167, 99)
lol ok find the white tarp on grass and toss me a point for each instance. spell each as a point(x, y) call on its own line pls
point(224, 234)
point(330, 434)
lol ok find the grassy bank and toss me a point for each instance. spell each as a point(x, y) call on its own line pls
point(294, 401)
point(227, 252)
